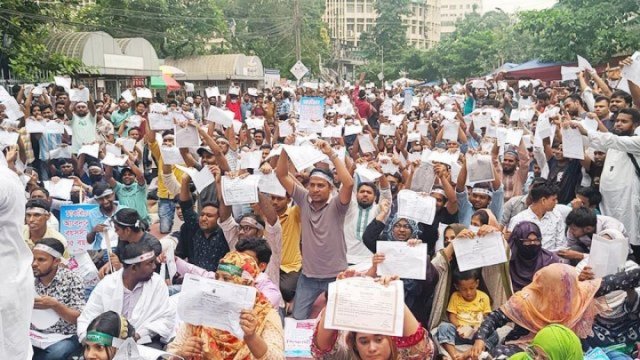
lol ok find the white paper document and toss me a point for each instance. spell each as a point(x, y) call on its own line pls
point(219, 116)
point(450, 131)
point(90, 149)
point(479, 168)
point(54, 127)
point(114, 160)
point(250, 159)
point(572, 146)
point(255, 123)
point(297, 337)
point(366, 144)
point(8, 138)
point(285, 128)
point(240, 190)
point(61, 189)
point(632, 72)
point(62, 152)
point(144, 93)
point(387, 129)
point(352, 129)
point(408, 262)
point(171, 155)
point(304, 157)
point(214, 303)
point(63, 81)
point(332, 132)
point(270, 184)
point(212, 92)
point(480, 251)
point(367, 174)
point(34, 126)
point(201, 179)
point(416, 206)
point(127, 96)
point(113, 149)
point(160, 121)
point(362, 305)
point(43, 341)
point(79, 95)
point(43, 319)
point(608, 256)
point(187, 136)
point(569, 73)
point(127, 143)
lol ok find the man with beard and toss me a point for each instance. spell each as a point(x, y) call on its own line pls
point(135, 292)
point(100, 217)
point(574, 106)
point(515, 170)
point(620, 179)
point(582, 223)
point(594, 167)
point(362, 210)
point(59, 290)
point(619, 100)
point(83, 122)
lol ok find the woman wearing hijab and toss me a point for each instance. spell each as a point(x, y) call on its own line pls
point(418, 294)
point(495, 279)
point(263, 335)
point(555, 296)
point(99, 344)
point(330, 344)
point(553, 342)
point(527, 254)
point(618, 323)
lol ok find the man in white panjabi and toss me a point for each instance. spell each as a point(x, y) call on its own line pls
point(16, 297)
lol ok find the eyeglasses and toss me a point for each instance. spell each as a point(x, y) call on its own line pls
point(528, 241)
point(245, 228)
point(402, 226)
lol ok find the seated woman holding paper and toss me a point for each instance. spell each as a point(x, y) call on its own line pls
point(99, 343)
point(330, 344)
point(418, 293)
point(527, 254)
point(495, 279)
point(263, 333)
point(554, 342)
point(619, 323)
point(556, 296)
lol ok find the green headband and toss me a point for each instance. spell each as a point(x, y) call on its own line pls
point(230, 269)
point(99, 338)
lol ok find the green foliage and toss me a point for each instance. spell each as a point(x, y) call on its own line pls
point(597, 30)
point(27, 23)
point(266, 28)
point(388, 34)
point(176, 28)
point(594, 29)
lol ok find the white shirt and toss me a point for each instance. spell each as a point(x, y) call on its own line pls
point(16, 301)
point(551, 226)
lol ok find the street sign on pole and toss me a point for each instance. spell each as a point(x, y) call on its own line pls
point(299, 70)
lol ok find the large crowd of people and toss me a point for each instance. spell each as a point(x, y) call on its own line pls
point(287, 191)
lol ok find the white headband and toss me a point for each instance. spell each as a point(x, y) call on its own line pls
point(37, 210)
point(248, 220)
point(139, 259)
point(48, 249)
point(439, 191)
point(107, 192)
point(482, 191)
point(323, 176)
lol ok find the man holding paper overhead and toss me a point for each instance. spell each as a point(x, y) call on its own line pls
point(620, 179)
point(322, 218)
point(83, 122)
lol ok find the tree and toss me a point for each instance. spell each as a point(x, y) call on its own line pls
point(266, 28)
point(594, 29)
point(24, 27)
point(175, 28)
point(389, 32)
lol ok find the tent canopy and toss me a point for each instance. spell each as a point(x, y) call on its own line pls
point(164, 82)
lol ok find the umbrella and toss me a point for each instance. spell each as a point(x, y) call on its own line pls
point(164, 82)
point(171, 70)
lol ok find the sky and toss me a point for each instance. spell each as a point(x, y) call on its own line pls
point(515, 5)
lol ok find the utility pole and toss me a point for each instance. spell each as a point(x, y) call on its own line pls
point(382, 80)
point(298, 23)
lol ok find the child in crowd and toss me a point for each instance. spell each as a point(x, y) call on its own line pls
point(467, 307)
